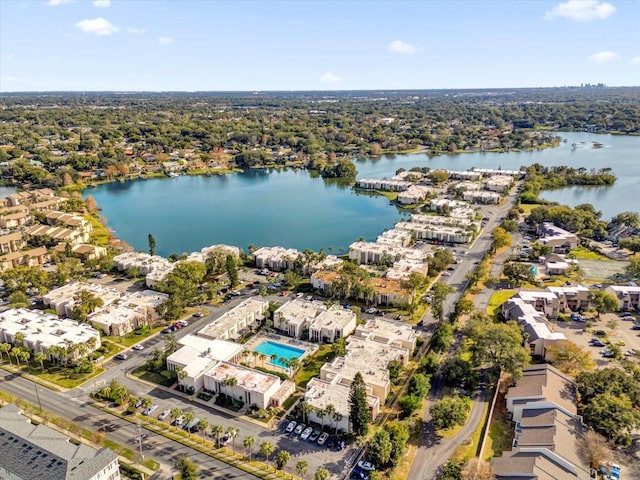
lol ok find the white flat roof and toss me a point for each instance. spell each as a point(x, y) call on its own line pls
point(246, 378)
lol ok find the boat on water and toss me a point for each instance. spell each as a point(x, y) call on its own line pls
point(173, 174)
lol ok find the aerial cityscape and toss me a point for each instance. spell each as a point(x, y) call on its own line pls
point(328, 240)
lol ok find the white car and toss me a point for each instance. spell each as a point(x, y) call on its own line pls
point(446, 274)
point(368, 466)
point(290, 426)
point(138, 347)
point(306, 433)
point(164, 415)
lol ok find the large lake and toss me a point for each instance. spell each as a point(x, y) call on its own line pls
point(292, 209)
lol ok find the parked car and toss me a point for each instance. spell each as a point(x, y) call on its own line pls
point(182, 323)
point(121, 356)
point(139, 403)
point(636, 326)
point(371, 310)
point(305, 435)
point(368, 466)
point(179, 421)
point(299, 295)
point(323, 438)
point(358, 475)
point(446, 274)
point(299, 429)
point(314, 436)
point(290, 427)
point(138, 347)
point(164, 414)
point(225, 440)
point(198, 314)
point(596, 342)
point(150, 410)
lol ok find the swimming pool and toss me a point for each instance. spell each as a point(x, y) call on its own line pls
point(270, 348)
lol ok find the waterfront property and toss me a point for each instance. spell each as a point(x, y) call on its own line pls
point(41, 332)
point(230, 324)
point(386, 291)
point(31, 451)
point(276, 258)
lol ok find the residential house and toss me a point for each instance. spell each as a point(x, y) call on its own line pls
point(11, 242)
point(30, 258)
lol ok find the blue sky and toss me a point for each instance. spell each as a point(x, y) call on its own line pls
point(316, 45)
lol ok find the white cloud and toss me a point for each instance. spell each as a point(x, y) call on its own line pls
point(55, 3)
point(403, 48)
point(165, 40)
point(99, 26)
point(634, 61)
point(136, 31)
point(581, 10)
point(330, 77)
point(101, 3)
point(605, 57)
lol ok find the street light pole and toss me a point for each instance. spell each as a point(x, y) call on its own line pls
point(35, 386)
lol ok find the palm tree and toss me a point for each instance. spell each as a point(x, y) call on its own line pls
point(262, 358)
point(40, 357)
point(15, 351)
point(188, 418)
point(302, 467)
point(337, 416)
point(233, 433)
point(19, 338)
point(5, 348)
point(321, 413)
point(321, 474)
point(294, 363)
point(217, 431)
point(306, 408)
point(170, 344)
point(202, 426)
point(248, 443)
point(266, 449)
point(174, 414)
point(329, 411)
point(146, 402)
point(282, 459)
point(181, 373)
point(24, 355)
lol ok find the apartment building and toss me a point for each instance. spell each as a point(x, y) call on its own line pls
point(30, 258)
point(481, 197)
point(230, 324)
point(378, 184)
point(414, 194)
point(276, 258)
point(31, 451)
point(628, 296)
point(395, 238)
point(388, 332)
point(438, 233)
point(41, 331)
point(143, 262)
point(58, 234)
point(64, 299)
point(11, 242)
point(498, 183)
point(558, 239)
point(130, 312)
point(331, 324)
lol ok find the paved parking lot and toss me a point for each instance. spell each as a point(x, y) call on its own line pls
point(621, 332)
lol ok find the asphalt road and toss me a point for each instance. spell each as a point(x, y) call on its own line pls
point(433, 451)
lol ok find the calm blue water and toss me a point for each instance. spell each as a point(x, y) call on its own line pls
point(285, 208)
point(282, 351)
point(292, 209)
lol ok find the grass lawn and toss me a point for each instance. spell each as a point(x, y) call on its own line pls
point(312, 369)
point(165, 378)
point(527, 207)
point(586, 254)
point(496, 301)
point(392, 196)
point(100, 234)
point(134, 337)
point(500, 434)
point(64, 377)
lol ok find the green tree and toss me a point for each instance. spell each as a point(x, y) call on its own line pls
point(359, 412)
point(217, 431)
point(266, 449)
point(627, 219)
point(501, 239)
point(86, 303)
point(321, 474)
point(633, 268)
point(517, 273)
point(187, 468)
point(248, 443)
point(439, 292)
point(339, 347)
point(302, 468)
point(379, 448)
point(419, 385)
point(449, 412)
point(603, 301)
point(613, 415)
point(5, 348)
point(569, 358)
point(40, 358)
point(399, 436)
point(282, 458)
point(409, 404)
point(498, 344)
point(174, 414)
point(203, 424)
point(232, 270)
point(152, 244)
